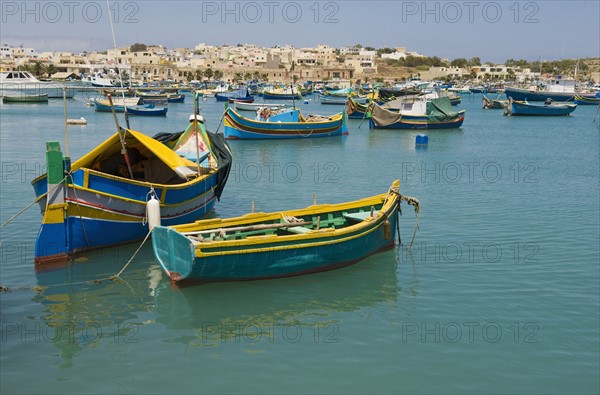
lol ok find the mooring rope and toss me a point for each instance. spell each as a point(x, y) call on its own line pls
point(132, 257)
point(32, 203)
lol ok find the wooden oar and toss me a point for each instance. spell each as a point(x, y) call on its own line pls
point(249, 227)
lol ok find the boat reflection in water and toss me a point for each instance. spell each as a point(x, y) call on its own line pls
point(144, 309)
point(293, 309)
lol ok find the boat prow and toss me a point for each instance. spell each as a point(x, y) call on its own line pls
point(174, 251)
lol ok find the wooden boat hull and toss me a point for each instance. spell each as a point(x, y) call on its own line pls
point(283, 253)
point(148, 111)
point(239, 127)
point(356, 110)
point(587, 101)
point(420, 122)
point(255, 106)
point(176, 98)
point(521, 108)
point(25, 98)
point(98, 209)
point(282, 96)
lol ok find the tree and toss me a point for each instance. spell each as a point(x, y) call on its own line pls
point(237, 77)
point(473, 75)
point(198, 74)
point(264, 77)
point(459, 62)
point(247, 76)
point(475, 61)
point(38, 68)
point(51, 69)
point(218, 74)
point(138, 47)
point(209, 73)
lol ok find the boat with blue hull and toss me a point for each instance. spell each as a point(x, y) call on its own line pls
point(588, 101)
point(557, 89)
point(515, 107)
point(281, 244)
point(101, 199)
point(423, 114)
point(238, 94)
point(357, 110)
point(148, 111)
point(287, 125)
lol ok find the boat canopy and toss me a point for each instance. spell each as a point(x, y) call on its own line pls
point(164, 164)
point(440, 109)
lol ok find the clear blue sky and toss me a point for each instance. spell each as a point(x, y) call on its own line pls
point(492, 30)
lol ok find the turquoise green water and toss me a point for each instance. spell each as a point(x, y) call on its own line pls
point(500, 293)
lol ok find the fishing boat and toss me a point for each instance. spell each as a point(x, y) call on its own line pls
point(326, 99)
point(280, 244)
point(287, 125)
point(176, 98)
point(149, 111)
point(557, 89)
point(240, 94)
point(119, 104)
point(249, 99)
point(549, 108)
point(101, 199)
point(587, 100)
point(421, 114)
point(357, 110)
point(492, 104)
point(243, 106)
point(282, 94)
point(24, 83)
point(25, 98)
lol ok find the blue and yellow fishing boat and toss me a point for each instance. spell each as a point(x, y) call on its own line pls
point(260, 245)
point(287, 125)
point(422, 114)
point(357, 110)
point(587, 100)
point(101, 199)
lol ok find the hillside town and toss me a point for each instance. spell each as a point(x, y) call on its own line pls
point(152, 63)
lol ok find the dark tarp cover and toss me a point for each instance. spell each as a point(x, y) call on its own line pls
point(440, 109)
point(220, 149)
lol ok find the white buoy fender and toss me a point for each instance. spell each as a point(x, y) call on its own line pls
point(153, 207)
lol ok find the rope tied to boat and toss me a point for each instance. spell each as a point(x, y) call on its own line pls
point(132, 257)
point(37, 199)
point(411, 201)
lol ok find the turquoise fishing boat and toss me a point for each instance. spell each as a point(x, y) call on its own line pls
point(101, 199)
point(289, 243)
point(287, 125)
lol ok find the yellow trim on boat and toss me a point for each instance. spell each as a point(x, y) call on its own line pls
point(54, 214)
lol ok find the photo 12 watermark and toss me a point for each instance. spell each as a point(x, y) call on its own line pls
point(470, 172)
point(471, 252)
point(469, 11)
point(296, 12)
point(265, 332)
point(55, 12)
point(285, 172)
point(84, 332)
point(470, 332)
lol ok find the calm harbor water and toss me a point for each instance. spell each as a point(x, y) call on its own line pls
point(499, 294)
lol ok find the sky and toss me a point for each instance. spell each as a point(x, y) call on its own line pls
point(492, 30)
